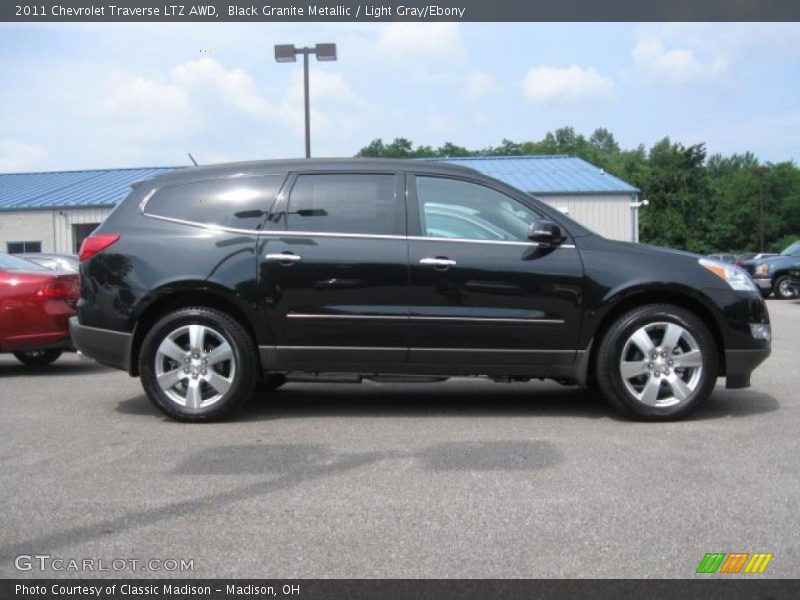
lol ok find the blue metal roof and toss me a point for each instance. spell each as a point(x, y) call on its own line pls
point(63, 189)
point(547, 174)
point(534, 174)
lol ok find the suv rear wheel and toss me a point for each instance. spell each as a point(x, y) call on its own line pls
point(657, 362)
point(197, 364)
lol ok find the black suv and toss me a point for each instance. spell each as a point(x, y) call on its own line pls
point(209, 282)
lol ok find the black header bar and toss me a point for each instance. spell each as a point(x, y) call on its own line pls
point(400, 10)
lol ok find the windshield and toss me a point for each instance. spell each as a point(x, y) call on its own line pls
point(792, 250)
point(12, 262)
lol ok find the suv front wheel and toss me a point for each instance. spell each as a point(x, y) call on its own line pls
point(657, 362)
point(783, 288)
point(197, 364)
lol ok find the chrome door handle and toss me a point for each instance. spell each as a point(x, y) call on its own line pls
point(283, 258)
point(438, 263)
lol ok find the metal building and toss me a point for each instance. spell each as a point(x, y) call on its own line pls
point(55, 211)
point(603, 203)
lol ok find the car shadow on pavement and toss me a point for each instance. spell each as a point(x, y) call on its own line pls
point(735, 403)
point(291, 465)
point(483, 455)
point(57, 369)
point(295, 401)
point(407, 400)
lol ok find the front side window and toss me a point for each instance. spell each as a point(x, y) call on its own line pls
point(451, 208)
point(343, 203)
point(237, 202)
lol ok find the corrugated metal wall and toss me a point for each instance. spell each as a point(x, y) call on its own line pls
point(64, 219)
point(53, 228)
point(27, 226)
point(606, 214)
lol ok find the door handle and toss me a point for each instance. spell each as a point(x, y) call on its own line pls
point(437, 263)
point(284, 258)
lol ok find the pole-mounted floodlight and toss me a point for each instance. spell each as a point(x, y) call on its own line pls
point(285, 53)
point(325, 52)
point(288, 53)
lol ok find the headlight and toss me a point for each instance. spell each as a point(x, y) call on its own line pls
point(733, 276)
point(762, 269)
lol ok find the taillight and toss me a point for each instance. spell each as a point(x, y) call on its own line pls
point(94, 244)
point(60, 288)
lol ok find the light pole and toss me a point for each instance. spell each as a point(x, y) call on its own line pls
point(288, 53)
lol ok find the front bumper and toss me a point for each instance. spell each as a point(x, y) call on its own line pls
point(739, 364)
point(763, 283)
point(110, 348)
point(794, 280)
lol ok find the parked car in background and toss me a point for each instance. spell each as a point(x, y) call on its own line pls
point(35, 306)
point(724, 257)
point(771, 274)
point(742, 258)
point(397, 269)
point(54, 262)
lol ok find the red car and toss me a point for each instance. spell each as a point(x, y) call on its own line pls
point(35, 306)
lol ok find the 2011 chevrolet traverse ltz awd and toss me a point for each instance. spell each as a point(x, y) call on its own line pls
point(208, 282)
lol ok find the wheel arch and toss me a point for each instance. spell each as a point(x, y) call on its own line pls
point(174, 297)
point(623, 302)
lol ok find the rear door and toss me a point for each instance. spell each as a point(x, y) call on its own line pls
point(480, 291)
point(333, 270)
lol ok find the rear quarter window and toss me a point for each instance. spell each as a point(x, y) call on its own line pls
point(238, 202)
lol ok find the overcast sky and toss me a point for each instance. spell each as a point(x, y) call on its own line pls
point(76, 96)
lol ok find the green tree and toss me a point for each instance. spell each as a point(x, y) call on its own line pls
point(696, 204)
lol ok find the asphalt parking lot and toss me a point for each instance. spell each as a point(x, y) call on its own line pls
point(466, 478)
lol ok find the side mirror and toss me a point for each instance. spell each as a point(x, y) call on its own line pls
point(545, 232)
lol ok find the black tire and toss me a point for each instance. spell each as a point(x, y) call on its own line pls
point(765, 293)
point(270, 382)
point(782, 288)
point(38, 358)
point(610, 354)
point(242, 369)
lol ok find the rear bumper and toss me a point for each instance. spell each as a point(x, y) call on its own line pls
point(740, 364)
point(110, 348)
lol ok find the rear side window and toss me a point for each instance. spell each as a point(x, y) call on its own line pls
point(241, 203)
point(343, 203)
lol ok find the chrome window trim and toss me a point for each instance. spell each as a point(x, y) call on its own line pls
point(414, 238)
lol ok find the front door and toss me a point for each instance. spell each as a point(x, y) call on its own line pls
point(481, 293)
point(333, 271)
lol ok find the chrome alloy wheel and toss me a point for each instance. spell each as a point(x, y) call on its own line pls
point(785, 289)
point(195, 366)
point(661, 364)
